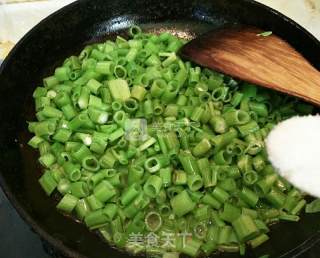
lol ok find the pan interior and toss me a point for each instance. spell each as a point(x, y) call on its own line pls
point(37, 56)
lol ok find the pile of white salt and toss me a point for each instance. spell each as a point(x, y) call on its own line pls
point(293, 148)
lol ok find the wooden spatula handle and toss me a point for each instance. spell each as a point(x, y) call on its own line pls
point(267, 61)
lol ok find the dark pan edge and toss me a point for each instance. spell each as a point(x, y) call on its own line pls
point(287, 19)
point(65, 250)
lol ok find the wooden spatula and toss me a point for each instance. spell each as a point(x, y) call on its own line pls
point(267, 61)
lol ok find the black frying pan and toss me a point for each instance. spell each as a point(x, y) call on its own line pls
point(65, 33)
